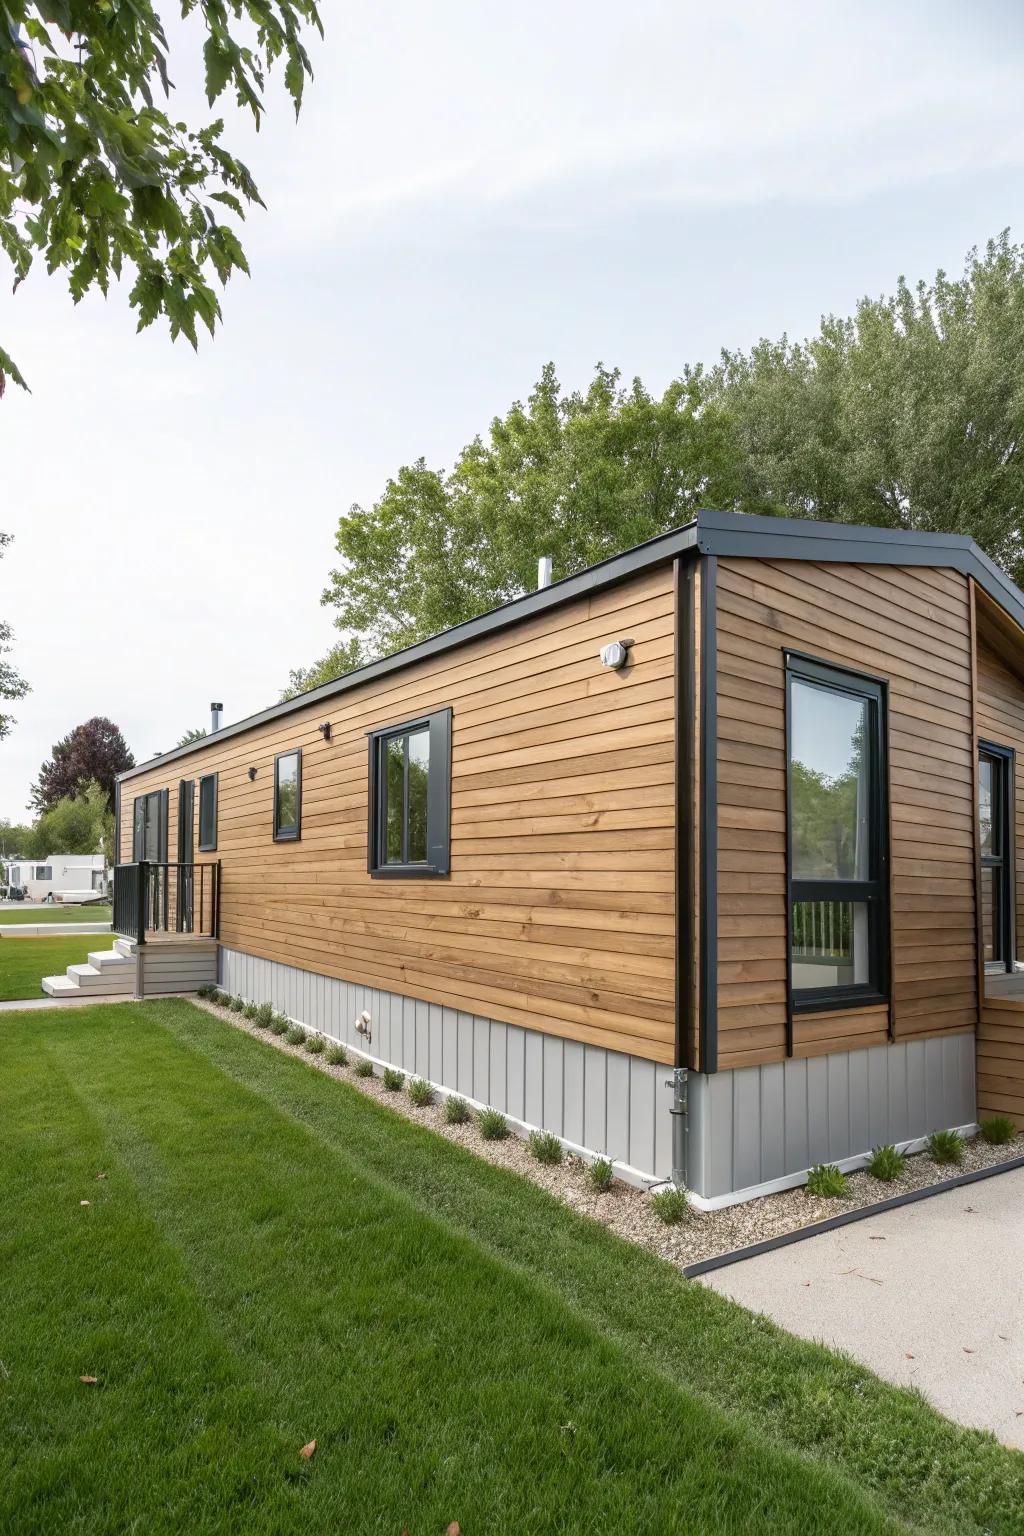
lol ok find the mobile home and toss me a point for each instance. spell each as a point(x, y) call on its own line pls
point(62, 877)
point(703, 859)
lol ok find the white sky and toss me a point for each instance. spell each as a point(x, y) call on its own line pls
point(470, 191)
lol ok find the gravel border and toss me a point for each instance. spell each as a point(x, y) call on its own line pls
point(624, 1209)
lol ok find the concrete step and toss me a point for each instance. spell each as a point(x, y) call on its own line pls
point(60, 986)
point(89, 978)
point(126, 947)
point(111, 960)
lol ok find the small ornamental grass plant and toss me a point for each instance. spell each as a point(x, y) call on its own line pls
point(364, 1067)
point(545, 1147)
point(599, 1175)
point(669, 1205)
point(420, 1092)
point(296, 1035)
point(265, 1015)
point(250, 1011)
point(207, 992)
point(280, 1024)
point(336, 1056)
point(315, 1045)
point(885, 1164)
point(827, 1182)
point(457, 1111)
point(492, 1125)
point(237, 1005)
point(997, 1130)
point(392, 1079)
point(945, 1147)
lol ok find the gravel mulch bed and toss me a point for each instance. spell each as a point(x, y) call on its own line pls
point(627, 1210)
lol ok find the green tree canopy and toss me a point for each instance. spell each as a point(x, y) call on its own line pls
point(341, 658)
point(94, 751)
point(12, 685)
point(909, 414)
point(98, 178)
point(81, 823)
point(195, 734)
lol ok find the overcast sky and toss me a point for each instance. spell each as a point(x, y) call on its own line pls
point(470, 191)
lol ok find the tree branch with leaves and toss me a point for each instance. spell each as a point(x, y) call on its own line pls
point(99, 180)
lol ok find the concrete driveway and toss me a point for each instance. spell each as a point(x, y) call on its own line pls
point(930, 1296)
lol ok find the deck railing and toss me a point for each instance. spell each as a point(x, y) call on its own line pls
point(152, 898)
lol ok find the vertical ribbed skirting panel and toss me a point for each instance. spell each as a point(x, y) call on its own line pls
point(604, 1101)
point(755, 1124)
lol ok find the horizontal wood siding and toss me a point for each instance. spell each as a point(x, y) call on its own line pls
point(1001, 1060)
point(1001, 720)
point(560, 910)
point(910, 627)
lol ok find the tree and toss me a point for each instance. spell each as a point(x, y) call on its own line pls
point(196, 734)
point(12, 686)
point(98, 178)
point(341, 658)
point(81, 823)
point(910, 414)
point(16, 840)
point(576, 476)
point(93, 751)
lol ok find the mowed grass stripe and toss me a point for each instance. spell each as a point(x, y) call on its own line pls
point(440, 1381)
point(925, 1469)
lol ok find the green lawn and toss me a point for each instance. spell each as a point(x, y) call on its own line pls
point(58, 914)
point(273, 1258)
point(24, 962)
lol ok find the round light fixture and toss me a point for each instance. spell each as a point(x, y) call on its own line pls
point(615, 654)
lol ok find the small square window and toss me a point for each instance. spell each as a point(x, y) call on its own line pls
point(287, 796)
point(208, 813)
point(410, 798)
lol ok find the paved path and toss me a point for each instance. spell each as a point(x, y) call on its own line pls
point(26, 1004)
point(930, 1296)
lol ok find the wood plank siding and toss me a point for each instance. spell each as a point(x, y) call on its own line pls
point(1001, 1059)
point(1001, 721)
point(911, 627)
point(559, 912)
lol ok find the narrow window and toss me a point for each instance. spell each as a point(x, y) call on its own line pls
point(287, 796)
point(44, 872)
point(838, 837)
point(995, 820)
point(410, 797)
point(208, 813)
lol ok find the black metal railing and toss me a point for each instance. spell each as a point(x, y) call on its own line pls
point(154, 898)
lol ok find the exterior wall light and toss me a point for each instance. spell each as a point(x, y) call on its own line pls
point(325, 730)
point(252, 773)
point(615, 654)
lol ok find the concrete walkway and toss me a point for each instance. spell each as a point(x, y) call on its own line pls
point(930, 1296)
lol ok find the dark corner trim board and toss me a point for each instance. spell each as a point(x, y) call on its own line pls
point(711, 533)
point(845, 1218)
point(709, 813)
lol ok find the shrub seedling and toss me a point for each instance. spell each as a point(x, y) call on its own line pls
point(997, 1130)
point(420, 1092)
point(296, 1035)
point(265, 1015)
point(600, 1175)
point(280, 1025)
point(827, 1182)
point(364, 1067)
point(392, 1079)
point(250, 1011)
point(315, 1044)
point(669, 1205)
point(886, 1164)
point(545, 1147)
point(237, 1005)
point(337, 1056)
point(457, 1111)
point(945, 1147)
point(493, 1125)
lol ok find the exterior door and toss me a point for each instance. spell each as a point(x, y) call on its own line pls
point(186, 817)
point(995, 819)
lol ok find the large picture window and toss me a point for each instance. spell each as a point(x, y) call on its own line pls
point(287, 796)
point(208, 813)
point(838, 837)
point(410, 797)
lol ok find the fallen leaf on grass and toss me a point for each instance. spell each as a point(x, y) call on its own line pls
point(85, 1202)
point(90, 1381)
point(307, 1450)
point(455, 1529)
point(101, 1175)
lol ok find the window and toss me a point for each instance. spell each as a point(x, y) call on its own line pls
point(410, 797)
point(838, 837)
point(208, 813)
point(44, 872)
point(995, 820)
point(287, 796)
point(149, 837)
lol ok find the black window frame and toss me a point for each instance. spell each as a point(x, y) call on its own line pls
point(208, 778)
point(289, 834)
point(874, 892)
point(1005, 760)
point(145, 804)
point(437, 865)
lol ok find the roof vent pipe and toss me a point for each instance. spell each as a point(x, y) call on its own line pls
point(543, 572)
point(216, 711)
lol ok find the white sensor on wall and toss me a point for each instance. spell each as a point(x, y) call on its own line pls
point(615, 654)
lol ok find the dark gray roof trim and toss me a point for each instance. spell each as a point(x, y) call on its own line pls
point(711, 533)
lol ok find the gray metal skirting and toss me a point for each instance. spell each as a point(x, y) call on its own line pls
point(757, 1124)
point(604, 1101)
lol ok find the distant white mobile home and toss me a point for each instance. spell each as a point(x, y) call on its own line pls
point(60, 877)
